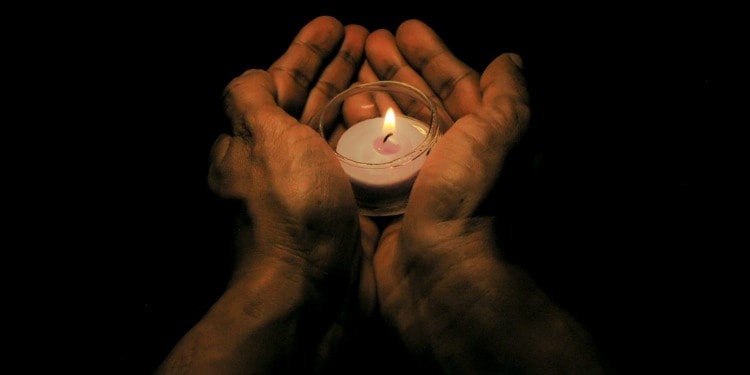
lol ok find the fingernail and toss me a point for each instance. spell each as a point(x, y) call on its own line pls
point(516, 60)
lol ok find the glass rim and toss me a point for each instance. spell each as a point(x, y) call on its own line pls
point(385, 86)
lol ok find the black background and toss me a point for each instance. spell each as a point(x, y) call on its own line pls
point(609, 201)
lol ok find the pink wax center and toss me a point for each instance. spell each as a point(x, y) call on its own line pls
point(386, 145)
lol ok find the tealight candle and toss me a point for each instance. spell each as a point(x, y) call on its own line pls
point(382, 154)
point(380, 140)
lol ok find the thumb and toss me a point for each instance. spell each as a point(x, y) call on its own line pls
point(464, 164)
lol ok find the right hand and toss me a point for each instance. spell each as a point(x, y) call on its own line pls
point(441, 280)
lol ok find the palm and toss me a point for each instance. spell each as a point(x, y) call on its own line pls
point(437, 262)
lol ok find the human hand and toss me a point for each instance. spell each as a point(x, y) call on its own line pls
point(298, 245)
point(441, 280)
point(301, 211)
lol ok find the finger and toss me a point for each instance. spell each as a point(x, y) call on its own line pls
point(380, 102)
point(359, 108)
point(464, 165)
point(251, 105)
point(366, 74)
point(455, 83)
point(367, 289)
point(388, 63)
point(226, 177)
point(294, 72)
point(366, 105)
point(363, 106)
point(505, 100)
point(344, 112)
point(337, 76)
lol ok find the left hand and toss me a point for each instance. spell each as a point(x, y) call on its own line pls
point(302, 214)
point(297, 248)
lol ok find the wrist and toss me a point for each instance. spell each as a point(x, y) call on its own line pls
point(289, 276)
point(515, 326)
point(485, 313)
point(266, 313)
point(267, 290)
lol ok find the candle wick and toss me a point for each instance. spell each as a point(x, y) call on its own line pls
point(386, 137)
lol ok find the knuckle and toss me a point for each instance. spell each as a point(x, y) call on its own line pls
point(328, 89)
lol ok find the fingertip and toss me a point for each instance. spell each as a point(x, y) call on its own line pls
point(219, 148)
point(409, 25)
point(377, 37)
point(331, 20)
point(357, 34)
point(356, 30)
point(516, 59)
point(383, 54)
point(506, 74)
point(414, 31)
point(322, 28)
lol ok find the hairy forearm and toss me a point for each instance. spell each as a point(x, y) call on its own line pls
point(254, 328)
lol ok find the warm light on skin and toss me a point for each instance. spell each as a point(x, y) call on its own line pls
point(389, 124)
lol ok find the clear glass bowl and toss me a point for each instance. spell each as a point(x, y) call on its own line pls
point(381, 154)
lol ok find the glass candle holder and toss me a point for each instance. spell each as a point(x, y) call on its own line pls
point(382, 133)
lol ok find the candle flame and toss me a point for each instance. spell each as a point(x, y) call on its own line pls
point(389, 124)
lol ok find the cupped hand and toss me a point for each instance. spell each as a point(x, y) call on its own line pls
point(302, 220)
point(299, 240)
point(440, 278)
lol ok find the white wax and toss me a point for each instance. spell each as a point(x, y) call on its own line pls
point(357, 144)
